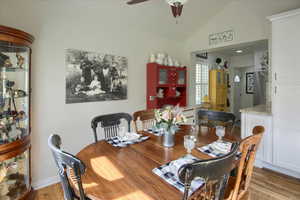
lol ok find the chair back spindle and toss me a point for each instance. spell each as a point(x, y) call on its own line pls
point(145, 117)
point(110, 124)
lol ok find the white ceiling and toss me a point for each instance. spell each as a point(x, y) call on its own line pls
point(158, 17)
point(153, 17)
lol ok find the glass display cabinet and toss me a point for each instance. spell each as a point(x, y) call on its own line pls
point(15, 176)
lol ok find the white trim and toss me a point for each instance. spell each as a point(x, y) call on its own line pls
point(281, 170)
point(258, 163)
point(284, 15)
point(46, 182)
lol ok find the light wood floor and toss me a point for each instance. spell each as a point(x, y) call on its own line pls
point(265, 185)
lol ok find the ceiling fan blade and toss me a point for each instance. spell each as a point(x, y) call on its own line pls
point(131, 2)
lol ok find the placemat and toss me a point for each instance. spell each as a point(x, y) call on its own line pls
point(167, 175)
point(211, 151)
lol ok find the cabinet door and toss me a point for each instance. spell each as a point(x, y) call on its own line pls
point(265, 150)
point(181, 77)
point(163, 76)
point(172, 76)
point(286, 94)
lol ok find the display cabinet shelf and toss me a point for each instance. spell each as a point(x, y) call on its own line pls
point(15, 53)
point(13, 69)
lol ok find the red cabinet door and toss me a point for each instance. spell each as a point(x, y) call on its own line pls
point(173, 76)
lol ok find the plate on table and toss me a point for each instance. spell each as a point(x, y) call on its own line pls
point(221, 146)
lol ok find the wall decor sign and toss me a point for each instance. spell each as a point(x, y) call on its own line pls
point(249, 82)
point(202, 55)
point(218, 38)
point(94, 76)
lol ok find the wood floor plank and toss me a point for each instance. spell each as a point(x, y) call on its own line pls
point(265, 185)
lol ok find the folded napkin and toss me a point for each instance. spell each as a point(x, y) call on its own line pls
point(169, 173)
point(124, 141)
point(216, 149)
point(129, 137)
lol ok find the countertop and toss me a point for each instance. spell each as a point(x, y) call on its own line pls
point(259, 109)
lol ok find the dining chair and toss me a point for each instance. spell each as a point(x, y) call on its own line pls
point(68, 167)
point(110, 124)
point(214, 172)
point(211, 119)
point(238, 185)
point(143, 119)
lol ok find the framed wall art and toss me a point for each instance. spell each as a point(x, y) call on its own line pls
point(249, 82)
point(94, 76)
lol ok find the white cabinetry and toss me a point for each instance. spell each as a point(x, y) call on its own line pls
point(249, 121)
point(286, 89)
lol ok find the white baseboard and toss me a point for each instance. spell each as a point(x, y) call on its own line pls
point(46, 182)
point(259, 163)
point(281, 170)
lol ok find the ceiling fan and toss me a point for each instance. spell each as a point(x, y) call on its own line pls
point(176, 5)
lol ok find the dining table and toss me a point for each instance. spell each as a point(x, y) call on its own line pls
point(115, 173)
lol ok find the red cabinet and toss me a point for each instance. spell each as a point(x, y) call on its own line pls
point(171, 80)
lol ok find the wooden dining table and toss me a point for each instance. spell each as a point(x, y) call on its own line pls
point(115, 173)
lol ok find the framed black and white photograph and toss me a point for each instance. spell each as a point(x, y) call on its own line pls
point(249, 82)
point(95, 77)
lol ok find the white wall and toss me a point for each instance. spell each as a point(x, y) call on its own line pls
point(246, 60)
point(246, 18)
point(56, 27)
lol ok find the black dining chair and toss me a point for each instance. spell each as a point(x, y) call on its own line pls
point(214, 172)
point(110, 124)
point(213, 118)
point(69, 166)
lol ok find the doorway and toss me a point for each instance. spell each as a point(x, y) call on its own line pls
point(246, 68)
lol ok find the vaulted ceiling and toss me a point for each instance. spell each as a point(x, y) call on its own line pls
point(152, 17)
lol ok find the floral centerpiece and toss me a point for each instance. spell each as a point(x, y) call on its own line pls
point(168, 119)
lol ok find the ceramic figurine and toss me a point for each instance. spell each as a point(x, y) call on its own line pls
point(178, 93)
point(170, 61)
point(21, 60)
point(5, 61)
point(152, 58)
point(160, 58)
point(166, 63)
point(21, 115)
point(19, 93)
point(160, 93)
